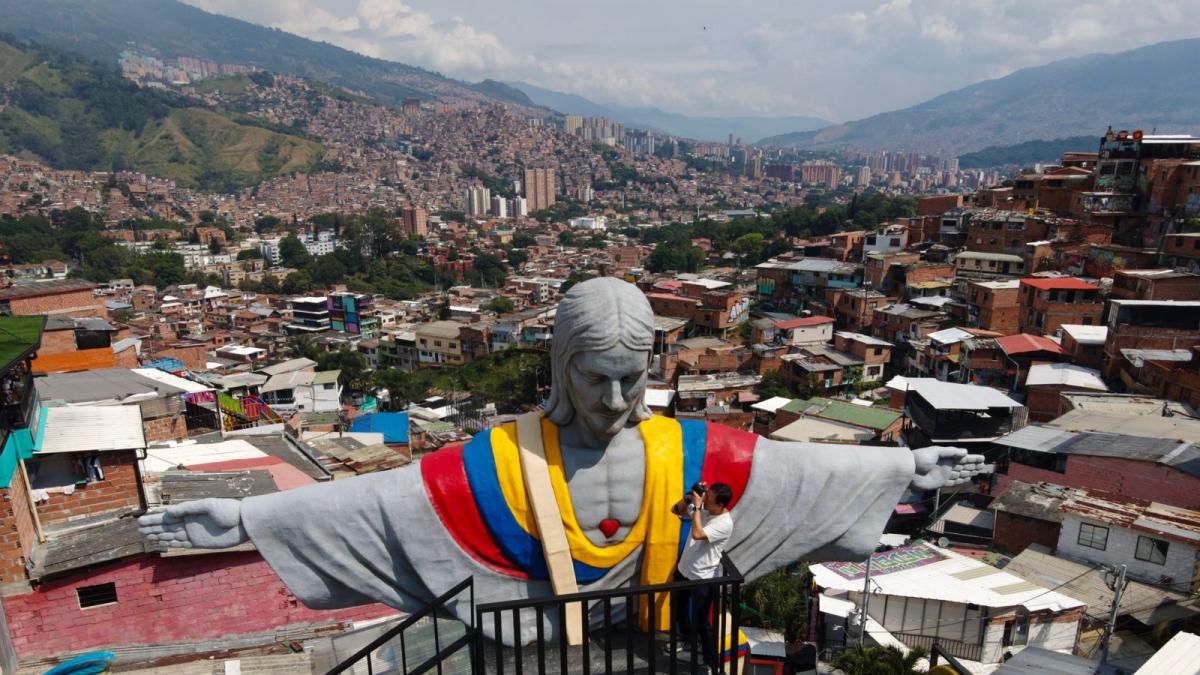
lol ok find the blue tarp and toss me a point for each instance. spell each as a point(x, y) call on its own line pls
point(393, 425)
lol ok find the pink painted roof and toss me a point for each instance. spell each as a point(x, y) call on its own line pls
point(801, 323)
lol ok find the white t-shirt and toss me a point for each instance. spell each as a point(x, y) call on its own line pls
point(701, 558)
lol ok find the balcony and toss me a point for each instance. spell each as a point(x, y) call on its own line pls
point(611, 642)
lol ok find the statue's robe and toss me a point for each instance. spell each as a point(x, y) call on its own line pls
point(405, 536)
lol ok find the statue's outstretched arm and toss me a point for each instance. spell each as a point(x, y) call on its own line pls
point(939, 466)
point(203, 523)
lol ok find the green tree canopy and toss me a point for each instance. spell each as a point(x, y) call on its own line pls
point(292, 252)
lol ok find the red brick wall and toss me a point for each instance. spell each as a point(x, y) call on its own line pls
point(1043, 402)
point(1131, 478)
point(165, 429)
point(163, 601)
point(17, 532)
point(118, 490)
point(193, 356)
point(57, 342)
point(76, 303)
point(1015, 533)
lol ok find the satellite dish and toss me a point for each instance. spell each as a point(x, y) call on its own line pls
point(943, 542)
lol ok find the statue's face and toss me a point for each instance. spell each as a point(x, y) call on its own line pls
point(604, 385)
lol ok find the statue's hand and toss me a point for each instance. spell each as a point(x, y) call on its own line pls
point(203, 523)
point(939, 467)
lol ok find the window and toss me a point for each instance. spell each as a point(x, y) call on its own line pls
point(1093, 536)
point(52, 471)
point(1152, 550)
point(94, 596)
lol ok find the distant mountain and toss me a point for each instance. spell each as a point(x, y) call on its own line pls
point(1157, 86)
point(77, 114)
point(1027, 153)
point(700, 128)
point(101, 29)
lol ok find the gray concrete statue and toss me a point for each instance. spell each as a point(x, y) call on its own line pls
point(403, 537)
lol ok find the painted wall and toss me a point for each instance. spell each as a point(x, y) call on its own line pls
point(162, 601)
point(1120, 548)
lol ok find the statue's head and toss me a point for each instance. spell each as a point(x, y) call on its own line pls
point(603, 339)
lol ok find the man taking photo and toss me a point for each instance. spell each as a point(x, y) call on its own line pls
point(701, 559)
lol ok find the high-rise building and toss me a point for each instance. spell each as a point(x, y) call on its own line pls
point(572, 124)
point(415, 221)
point(478, 201)
point(499, 207)
point(518, 207)
point(539, 188)
point(863, 178)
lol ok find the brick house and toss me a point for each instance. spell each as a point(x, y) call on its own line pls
point(1046, 304)
point(994, 305)
point(1162, 284)
point(58, 297)
point(1147, 325)
point(1046, 382)
point(1084, 344)
point(875, 353)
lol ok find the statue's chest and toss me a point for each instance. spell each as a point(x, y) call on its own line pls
point(607, 486)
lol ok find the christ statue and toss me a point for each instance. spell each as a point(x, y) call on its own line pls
point(405, 536)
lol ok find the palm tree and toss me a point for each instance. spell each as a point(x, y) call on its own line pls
point(889, 660)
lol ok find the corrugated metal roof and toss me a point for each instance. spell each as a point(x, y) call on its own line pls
point(950, 396)
point(288, 366)
point(172, 381)
point(108, 384)
point(770, 405)
point(950, 336)
point(1038, 661)
point(1146, 603)
point(1180, 656)
point(941, 580)
point(1066, 374)
point(1086, 335)
point(91, 428)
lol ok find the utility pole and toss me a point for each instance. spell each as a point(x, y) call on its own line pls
point(1116, 588)
point(866, 601)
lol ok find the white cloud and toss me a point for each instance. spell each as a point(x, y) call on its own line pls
point(843, 59)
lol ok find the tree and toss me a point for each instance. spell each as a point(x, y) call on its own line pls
point(292, 252)
point(779, 601)
point(517, 258)
point(500, 305)
point(267, 224)
point(296, 282)
point(249, 254)
point(523, 240)
point(749, 246)
point(566, 238)
point(488, 270)
point(214, 246)
point(860, 660)
point(772, 385)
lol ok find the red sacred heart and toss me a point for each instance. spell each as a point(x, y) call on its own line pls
point(609, 527)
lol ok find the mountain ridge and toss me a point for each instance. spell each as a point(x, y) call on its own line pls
point(73, 113)
point(100, 29)
point(715, 128)
point(1155, 85)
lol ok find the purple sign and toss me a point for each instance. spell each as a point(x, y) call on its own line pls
point(895, 560)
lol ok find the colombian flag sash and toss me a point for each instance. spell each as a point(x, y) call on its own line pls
point(478, 491)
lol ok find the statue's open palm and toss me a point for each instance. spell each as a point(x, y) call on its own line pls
point(203, 523)
point(939, 467)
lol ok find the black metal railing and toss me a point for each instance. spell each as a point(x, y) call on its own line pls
point(380, 655)
point(609, 631)
point(17, 408)
point(962, 650)
point(938, 652)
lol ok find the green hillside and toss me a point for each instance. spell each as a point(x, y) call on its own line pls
point(72, 113)
point(1029, 152)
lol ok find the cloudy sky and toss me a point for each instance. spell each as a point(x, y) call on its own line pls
point(837, 59)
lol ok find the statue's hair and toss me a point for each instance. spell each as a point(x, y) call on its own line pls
point(595, 315)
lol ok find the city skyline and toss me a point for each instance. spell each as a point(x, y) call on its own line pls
point(838, 61)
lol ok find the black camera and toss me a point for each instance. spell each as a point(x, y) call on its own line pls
point(699, 488)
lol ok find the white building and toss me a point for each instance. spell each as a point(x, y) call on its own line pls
point(499, 207)
point(589, 223)
point(1157, 543)
point(304, 391)
point(888, 240)
point(518, 207)
point(922, 593)
point(477, 201)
